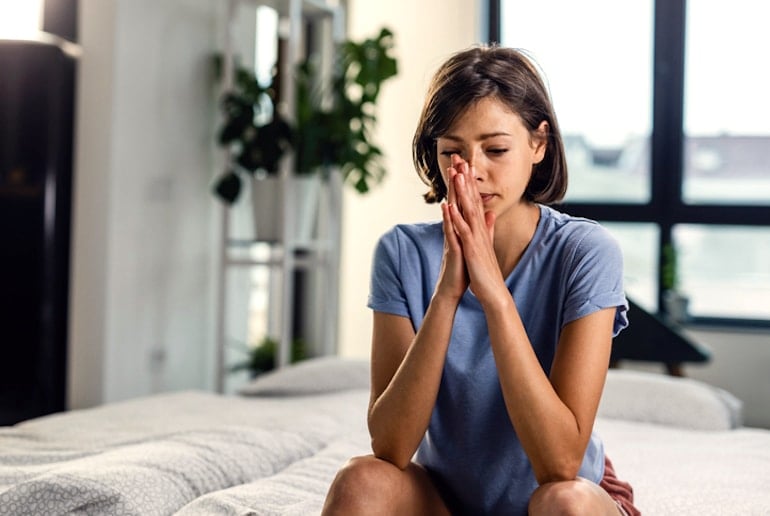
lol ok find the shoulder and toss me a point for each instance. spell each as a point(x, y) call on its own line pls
point(416, 231)
point(412, 237)
point(575, 233)
point(405, 260)
point(591, 266)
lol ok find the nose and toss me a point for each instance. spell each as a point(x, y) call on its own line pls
point(476, 160)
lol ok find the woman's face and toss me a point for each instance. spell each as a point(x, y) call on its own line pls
point(494, 140)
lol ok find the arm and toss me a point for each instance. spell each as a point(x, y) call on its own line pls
point(406, 373)
point(407, 367)
point(553, 417)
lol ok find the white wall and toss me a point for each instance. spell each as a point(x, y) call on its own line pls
point(144, 222)
point(426, 33)
point(146, 228)
point(740, 361)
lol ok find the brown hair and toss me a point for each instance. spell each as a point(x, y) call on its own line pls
point(510, 76)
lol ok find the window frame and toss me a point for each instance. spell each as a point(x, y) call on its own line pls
point(666, 207)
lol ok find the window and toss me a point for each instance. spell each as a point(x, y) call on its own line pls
point(639, 242)
point(725, 269)
point(601, 92)
point(664, 111)
point(726, 105)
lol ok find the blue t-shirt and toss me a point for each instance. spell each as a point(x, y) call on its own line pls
point(571, 268)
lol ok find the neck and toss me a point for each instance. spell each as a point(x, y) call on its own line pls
point(513, 235)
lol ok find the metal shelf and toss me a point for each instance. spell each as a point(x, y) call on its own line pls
point(286, 256)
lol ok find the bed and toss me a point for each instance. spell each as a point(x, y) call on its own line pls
point(275, 448)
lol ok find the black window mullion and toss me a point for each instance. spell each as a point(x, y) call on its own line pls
point(612, 212)
point(667, 137)
point(726, 215)
point(493, 21)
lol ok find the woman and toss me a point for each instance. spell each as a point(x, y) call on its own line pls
point(493, 328)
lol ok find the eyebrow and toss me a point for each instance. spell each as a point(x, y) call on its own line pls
point(484, 136)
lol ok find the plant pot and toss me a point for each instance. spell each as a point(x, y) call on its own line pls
point(677, 305)
point(268, 195)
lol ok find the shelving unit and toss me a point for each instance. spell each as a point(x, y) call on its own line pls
point(286, 256)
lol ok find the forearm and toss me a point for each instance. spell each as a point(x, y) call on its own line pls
point(547, 429)
point(399, 416)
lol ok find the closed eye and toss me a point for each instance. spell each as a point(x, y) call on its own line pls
point(448, 153)
point(497, 151)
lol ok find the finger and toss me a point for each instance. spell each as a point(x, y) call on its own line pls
point(460, 225)
point(471, 176)
point(451, 193)
point(473, 188)
point(450, 232)
point(454, 163)
point(489, 220)
point(457, 162)
point(471, 191)
point(468, 200)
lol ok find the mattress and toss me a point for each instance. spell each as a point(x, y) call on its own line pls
point(277, 450)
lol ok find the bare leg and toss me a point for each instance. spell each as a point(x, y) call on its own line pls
point(572, 497)
point(368, 485)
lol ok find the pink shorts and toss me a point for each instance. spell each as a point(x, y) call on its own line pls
point(620, 491)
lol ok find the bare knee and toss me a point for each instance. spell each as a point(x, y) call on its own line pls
point(571, 498)
point(360, 487)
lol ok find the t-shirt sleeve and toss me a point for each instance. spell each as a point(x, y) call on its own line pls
point(596, 279)
point(386, 292)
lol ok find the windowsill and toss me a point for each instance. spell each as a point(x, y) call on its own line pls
point(728, 325)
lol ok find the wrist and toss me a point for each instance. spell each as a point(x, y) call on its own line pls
point(445, 298)
point(500, 303)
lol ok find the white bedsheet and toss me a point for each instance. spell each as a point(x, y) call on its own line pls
point(156, 455)
point(195, 453)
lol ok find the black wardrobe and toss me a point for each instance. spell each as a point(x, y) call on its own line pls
point(37, 92)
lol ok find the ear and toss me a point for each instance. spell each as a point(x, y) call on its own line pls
point(539, 142)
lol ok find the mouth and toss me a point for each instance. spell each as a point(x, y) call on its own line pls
point(485, 198)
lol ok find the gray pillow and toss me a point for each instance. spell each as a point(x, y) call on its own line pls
point(667, 400)
point(311, 376)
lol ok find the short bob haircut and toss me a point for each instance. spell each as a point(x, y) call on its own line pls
point(510, 76)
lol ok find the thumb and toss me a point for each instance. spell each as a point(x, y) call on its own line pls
point(489, 220)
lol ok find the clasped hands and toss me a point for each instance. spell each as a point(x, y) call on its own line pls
point(469, 256)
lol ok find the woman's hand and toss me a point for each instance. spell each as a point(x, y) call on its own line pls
point(453, 279)
point(473, 230)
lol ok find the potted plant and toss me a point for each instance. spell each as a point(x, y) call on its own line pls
point(331, 127)
point(676, 302)
point(334, 125)
point(253, 131)
point(262, 357)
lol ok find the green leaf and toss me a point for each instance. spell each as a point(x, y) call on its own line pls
point(333, 122)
